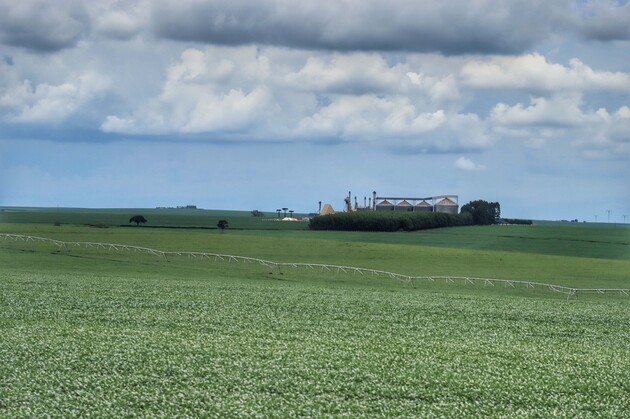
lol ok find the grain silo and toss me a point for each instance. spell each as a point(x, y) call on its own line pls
point(447, 206)
point(423, 206)
point(403, 206)
point(385, 205)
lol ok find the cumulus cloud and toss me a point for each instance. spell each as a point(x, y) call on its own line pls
point(608, 133)
point(462, 163)
point(370, 117)
point(204, 111)
point(561, 118)
point(337, 71)
point(44, 102)
point(562, 110)
point(200, 95)
point(250, 92)
point(534, 72)
point(347, 73)
point(362, 73)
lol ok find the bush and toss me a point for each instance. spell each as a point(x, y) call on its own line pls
point(517, 221)
point(388, 221)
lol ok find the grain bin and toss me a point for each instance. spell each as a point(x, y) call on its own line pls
point(447, 206)
point(403, 206)
point(384, 205)
point(423, 206)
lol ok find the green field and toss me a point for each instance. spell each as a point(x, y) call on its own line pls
point(192, 218)
point(90, 332)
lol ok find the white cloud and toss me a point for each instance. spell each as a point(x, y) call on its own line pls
point(347, 73)
point(49, 103)
point(206, 91)
point(608, 134)
point(534, 72)
point(370, 117)
point(249, 92)
point(598, 133)
point(562, 110)
point(462, 163)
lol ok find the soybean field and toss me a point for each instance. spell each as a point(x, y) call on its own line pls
point(94, 332)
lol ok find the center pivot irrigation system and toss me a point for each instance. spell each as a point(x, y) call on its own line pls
point(568, 291)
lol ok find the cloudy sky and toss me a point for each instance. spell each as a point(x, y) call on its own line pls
point(234, 104)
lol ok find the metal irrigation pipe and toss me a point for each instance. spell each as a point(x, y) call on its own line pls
point(339, 268)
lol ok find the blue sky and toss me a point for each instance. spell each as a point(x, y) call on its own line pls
point(242, 105)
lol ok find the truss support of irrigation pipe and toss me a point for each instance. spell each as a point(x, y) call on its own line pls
point(569, 291)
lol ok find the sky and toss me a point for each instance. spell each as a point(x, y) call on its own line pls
point(234, 104)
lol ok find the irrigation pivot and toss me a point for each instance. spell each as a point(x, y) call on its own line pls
point(568, 291)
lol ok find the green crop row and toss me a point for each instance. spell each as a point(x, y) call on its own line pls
point(388, 221)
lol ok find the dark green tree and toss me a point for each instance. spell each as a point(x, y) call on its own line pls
point(222, 224)
point(138, 219)
point(483, 212)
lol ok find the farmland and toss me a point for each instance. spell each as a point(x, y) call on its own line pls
point(106, 333)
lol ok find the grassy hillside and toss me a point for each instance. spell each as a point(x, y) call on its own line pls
point(93, 332)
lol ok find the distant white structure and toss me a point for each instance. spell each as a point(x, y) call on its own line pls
point(441, 203)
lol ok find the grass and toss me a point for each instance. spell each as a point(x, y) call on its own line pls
point(92, 333)
point(605, 242)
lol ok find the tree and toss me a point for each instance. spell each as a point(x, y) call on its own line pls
point(256, 213)
point(138, 219)
point(222, 224)
point(483, 213)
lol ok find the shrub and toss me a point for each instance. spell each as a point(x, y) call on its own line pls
point(517, 221)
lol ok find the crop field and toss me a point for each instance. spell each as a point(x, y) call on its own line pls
point(164, 217)
point(93, 332)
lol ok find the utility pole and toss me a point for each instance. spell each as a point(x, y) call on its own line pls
point(596, 218)
point(608, 216)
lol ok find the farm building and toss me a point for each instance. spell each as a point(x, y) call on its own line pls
point(441, 203)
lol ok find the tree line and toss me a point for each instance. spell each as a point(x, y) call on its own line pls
point(388, 221)
point(477, 212)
